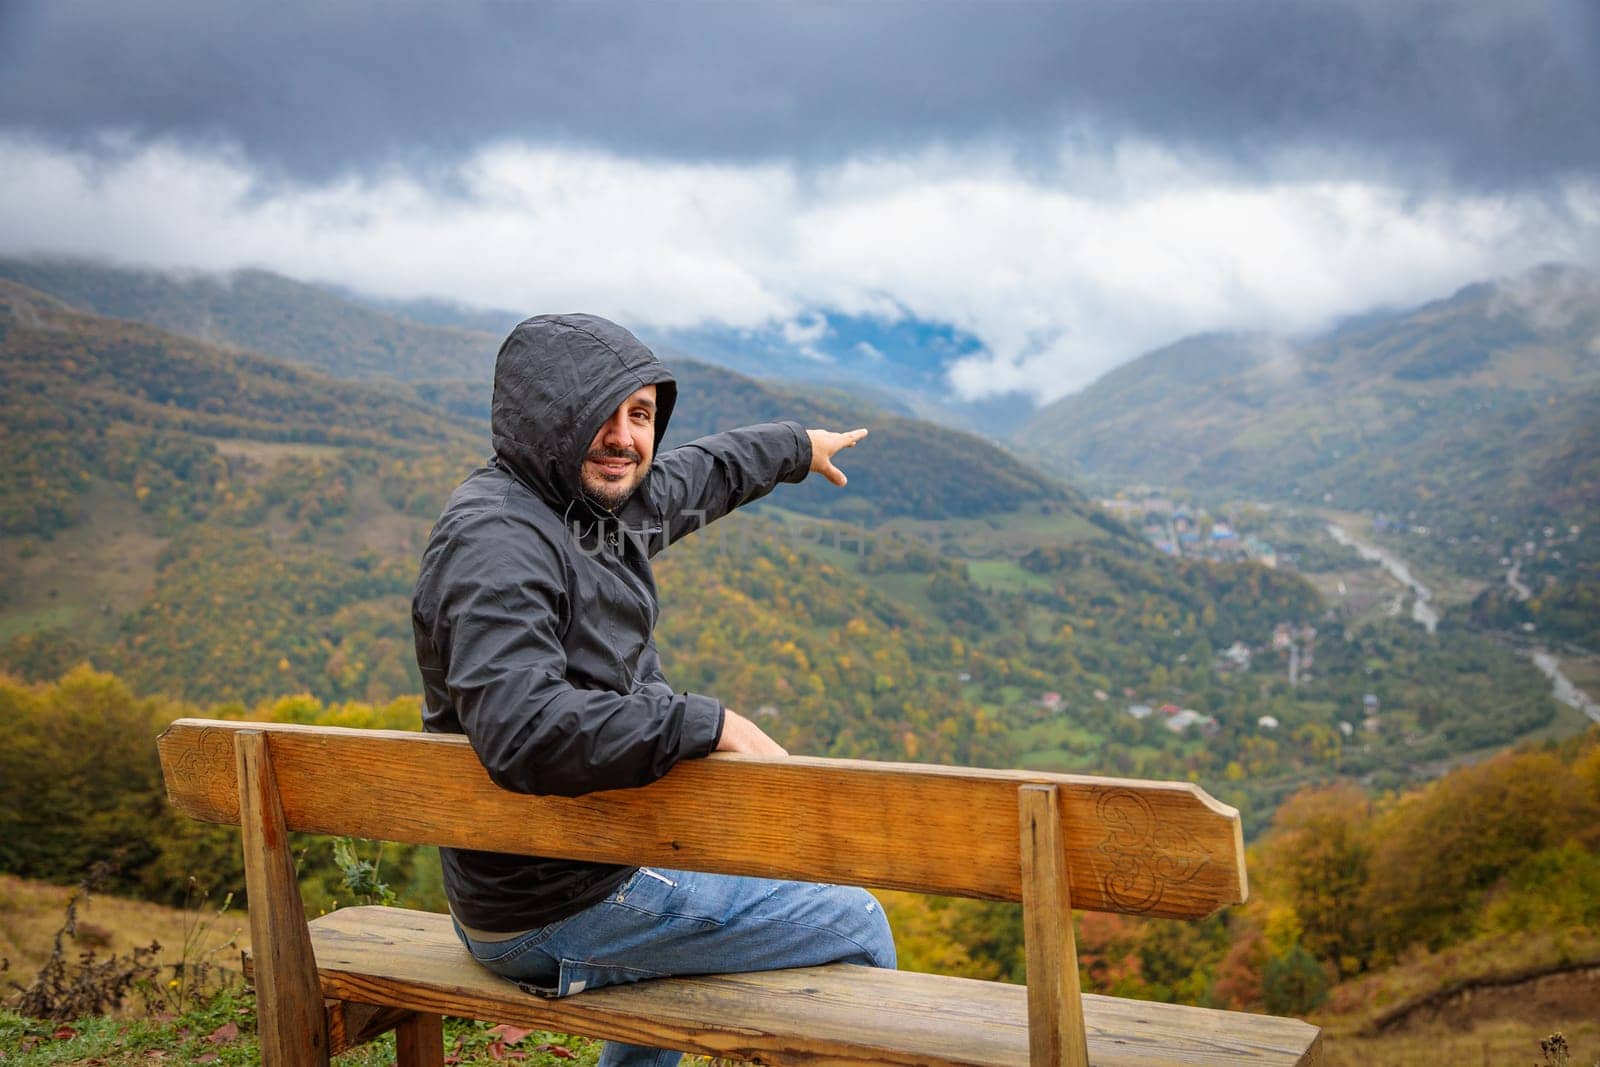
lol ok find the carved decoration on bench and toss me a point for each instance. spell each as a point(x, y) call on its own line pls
point(1136, 882)
point(211, 746)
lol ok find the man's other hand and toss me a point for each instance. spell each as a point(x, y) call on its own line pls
point(739, 734)
point(824, 443)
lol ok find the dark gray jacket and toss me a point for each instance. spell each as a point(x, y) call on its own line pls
point(534, 610)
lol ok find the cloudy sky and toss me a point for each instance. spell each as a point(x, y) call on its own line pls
point(1069, 184)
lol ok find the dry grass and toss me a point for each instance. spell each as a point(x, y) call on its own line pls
point(265, 454)
point(1584, 672)
point(31, 913)
point(1494, 1041)
point(1482, 1026)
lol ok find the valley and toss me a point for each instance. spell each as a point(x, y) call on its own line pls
point(212, 530)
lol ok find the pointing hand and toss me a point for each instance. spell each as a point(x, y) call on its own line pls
point(824, 443)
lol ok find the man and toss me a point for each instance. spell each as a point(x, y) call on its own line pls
point(533, 616)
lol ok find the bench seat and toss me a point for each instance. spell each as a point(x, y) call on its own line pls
point(835, 1014)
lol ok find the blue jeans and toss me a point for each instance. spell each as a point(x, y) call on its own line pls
point(660, 923)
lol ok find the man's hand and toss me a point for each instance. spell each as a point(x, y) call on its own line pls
point(824, 443)
point(739, 734)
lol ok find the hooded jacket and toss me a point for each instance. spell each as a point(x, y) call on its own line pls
point(534, 608)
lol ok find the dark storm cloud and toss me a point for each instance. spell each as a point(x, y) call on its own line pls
point(1490, 92)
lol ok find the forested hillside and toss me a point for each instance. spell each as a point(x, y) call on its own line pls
point(227, 534)
point(216, 526)
point(1475, 419)
point(266, 313)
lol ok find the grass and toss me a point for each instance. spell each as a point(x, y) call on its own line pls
point(222, 1032)
point(1496, 1041)
point(86, 577)
point(217, 1027)
point(1584, 672)
point(1005, 574)
point(30, 914)
point(1493, 1025)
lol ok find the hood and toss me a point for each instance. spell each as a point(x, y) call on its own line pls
point(556, 380)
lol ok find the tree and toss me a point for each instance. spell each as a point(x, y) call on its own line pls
point(1317, 857)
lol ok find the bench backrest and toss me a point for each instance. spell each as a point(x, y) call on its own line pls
point(1134, 847)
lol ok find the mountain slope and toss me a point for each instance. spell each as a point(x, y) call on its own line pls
point(229, 527)
point(905, 467)
point(900, 363)
point(217, 526)
point(1478, 415)
point(268, 313)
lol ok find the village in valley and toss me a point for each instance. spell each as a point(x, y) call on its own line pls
point(1183, 530)
point(1180, 530)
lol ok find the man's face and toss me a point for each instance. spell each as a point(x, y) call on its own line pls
point(620, 453)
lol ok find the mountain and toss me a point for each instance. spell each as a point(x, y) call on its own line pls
point(270, 314)
point(905, 467)
point(1477, 415)
point(898, 364)
point(212, 522)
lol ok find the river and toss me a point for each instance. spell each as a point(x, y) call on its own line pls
point(1422, 610)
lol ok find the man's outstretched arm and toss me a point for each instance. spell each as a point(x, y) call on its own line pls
point(702, 481)
point(739, 734)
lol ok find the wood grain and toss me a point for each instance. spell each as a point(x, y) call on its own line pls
point(350, 1025)
point(841, 1014)
point(289, 1010)
point(1147, 848)
point(1055, 1002)
point(419, 1041)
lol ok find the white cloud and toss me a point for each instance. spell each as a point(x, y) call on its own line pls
point(1061, 276)
point(804, 332)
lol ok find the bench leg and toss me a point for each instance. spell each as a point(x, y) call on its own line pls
point(289, 1012)
point(1056, 1033)
point(419, 1041)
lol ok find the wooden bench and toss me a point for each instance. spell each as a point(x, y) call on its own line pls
point(1053, 842)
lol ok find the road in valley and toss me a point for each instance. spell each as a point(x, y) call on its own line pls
point(1422, 611)
point(1562, 686)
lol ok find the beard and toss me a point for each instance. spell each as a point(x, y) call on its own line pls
point(610, 494)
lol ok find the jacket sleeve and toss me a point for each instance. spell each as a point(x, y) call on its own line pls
point(533, 730)
point(701, 481)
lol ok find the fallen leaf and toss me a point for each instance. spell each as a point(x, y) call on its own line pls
point(209, 1057)
point(155, 1054)
point(224, 1033)
point(558, 1051)
point(64, 1033)
point(510, 1034)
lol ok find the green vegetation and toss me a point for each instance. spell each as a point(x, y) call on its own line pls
point(1472, 423)
point(221, 534)
point(266, 313)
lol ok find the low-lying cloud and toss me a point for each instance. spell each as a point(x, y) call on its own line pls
point(1062, 271)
